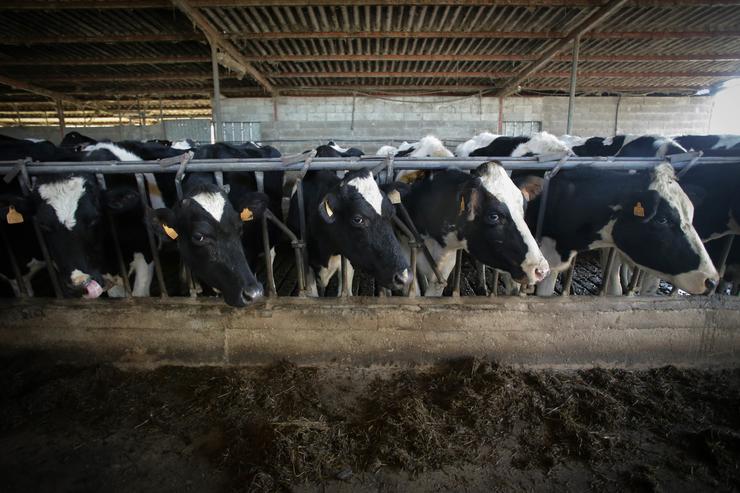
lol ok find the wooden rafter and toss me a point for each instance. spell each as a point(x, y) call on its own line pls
point(42, 91)
point(227, 46)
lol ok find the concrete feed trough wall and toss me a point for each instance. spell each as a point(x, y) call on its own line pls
point(534, 332)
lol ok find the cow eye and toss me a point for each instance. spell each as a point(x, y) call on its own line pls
point(493, 218)
point(358, 220)
point(199, 238)
point(661, 220)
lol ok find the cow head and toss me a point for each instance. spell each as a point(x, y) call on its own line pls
point(491, 219)
point(69, 212)
point(653, 228)
point(357, 215)
point(208, 232)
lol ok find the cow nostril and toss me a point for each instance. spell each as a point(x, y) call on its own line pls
point(710, 284)
point(541, 273)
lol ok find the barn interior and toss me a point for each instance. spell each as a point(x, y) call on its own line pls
point(472, 391)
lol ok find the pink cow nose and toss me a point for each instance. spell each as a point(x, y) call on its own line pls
point(540, 274)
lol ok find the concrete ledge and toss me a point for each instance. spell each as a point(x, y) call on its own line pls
point(533, 332)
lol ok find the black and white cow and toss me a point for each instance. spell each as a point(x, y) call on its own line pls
point(69, 209)
point(712, 145)
point(76, 141)
point(482, 213)
point(207, 228)
point(628, 146)
point(350, 216)
point(492, 145)
point(644, 214)
point(346, 152)
point(429, 146)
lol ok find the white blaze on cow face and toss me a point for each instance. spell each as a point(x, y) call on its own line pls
point(664, 182)
point(499, 184)
point(64, 197)
point(213, 203)
point(368, 189)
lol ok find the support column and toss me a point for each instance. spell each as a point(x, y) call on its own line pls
point(60, 115)
point(216, 105)
point(500, 129)
point(573, 79)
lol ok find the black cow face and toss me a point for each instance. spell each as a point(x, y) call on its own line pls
point(69, 212)
point(653, 228)
point(208, 232)
point(492, 222)
point(358, 217)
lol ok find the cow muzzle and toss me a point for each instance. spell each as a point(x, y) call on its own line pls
point(536, 272)
point(251, 294)
point(84, 282)
point(402, 279)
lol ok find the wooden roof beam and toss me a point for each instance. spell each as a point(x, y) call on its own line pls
point(74, 62)
point(226, 46)
point(498, 75)
point(593, 20)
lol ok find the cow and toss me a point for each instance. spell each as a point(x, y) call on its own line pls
point(482, 213)
point(478, 141)
point(429, 146)
point(207, 229)
point(76, 141)
point(537, 144)
point(349, 216)
point(69, 209)
point(711, 145)
point(626, 146)
point(644, 214)
point(346, 152)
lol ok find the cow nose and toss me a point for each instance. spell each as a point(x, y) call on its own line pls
point(710, 284)
point(402, 278)
point(253, 293)
point(540, 274)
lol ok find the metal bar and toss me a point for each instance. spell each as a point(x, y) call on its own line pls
point(116, 242)
point(271, 288)
point(723, 259)
point(494, 291)
point(24, 290)
point(457, 274)
point(216, 108)
point(417, 237)
point(568, 281)
point(606, 277)
point(346, 288)
point(636, 275)
point(336, 164)
point(573, 79)
point(414, 251)
point(150, 236)
point(25, 183)
point(481, 268)
point(298, 247)
point(60, 116)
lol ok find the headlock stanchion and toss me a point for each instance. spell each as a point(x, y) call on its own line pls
point(23, 170)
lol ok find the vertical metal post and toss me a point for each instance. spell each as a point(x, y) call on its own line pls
point(500, 128)
point(161, 120)
point(414, 250)
point(723, 259)
point(25, 183)
point(60, 116)
point(636, 275)
point(481, 268)
point(494, 291)
point(573, 78)
point(216, 105)
point(346, 288)
point(606, 277)
point(271, 288)
point(568, 281)
point(150, 236)
point(457, 275)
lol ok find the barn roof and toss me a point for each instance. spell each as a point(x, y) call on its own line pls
point(128, 57)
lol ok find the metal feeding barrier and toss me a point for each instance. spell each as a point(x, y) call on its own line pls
point(383, 167)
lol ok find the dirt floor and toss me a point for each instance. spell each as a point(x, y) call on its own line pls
point(464, 426)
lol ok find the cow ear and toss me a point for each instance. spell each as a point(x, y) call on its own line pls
point(395, 191)
point(163, 223)
point(252, 206)
point(530, 186)
point(25, 206)
point(121, 199)
point(641, 206)
point(328, 208)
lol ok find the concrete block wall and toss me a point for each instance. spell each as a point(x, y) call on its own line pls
point(316, 119)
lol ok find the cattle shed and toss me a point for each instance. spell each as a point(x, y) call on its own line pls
point(358, 387)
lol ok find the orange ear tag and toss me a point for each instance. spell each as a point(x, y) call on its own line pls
point(246, 215)
point(394, 196)
point(170, 231)
point(638, 210)
point(462, 204)
point(14, 217)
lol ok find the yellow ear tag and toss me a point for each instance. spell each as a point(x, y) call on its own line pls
point(638, 211)
point(246, 214)
point(14, 217)
point(170, 231)
point(462, 204)
point(394, 196)
point(329, 212)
